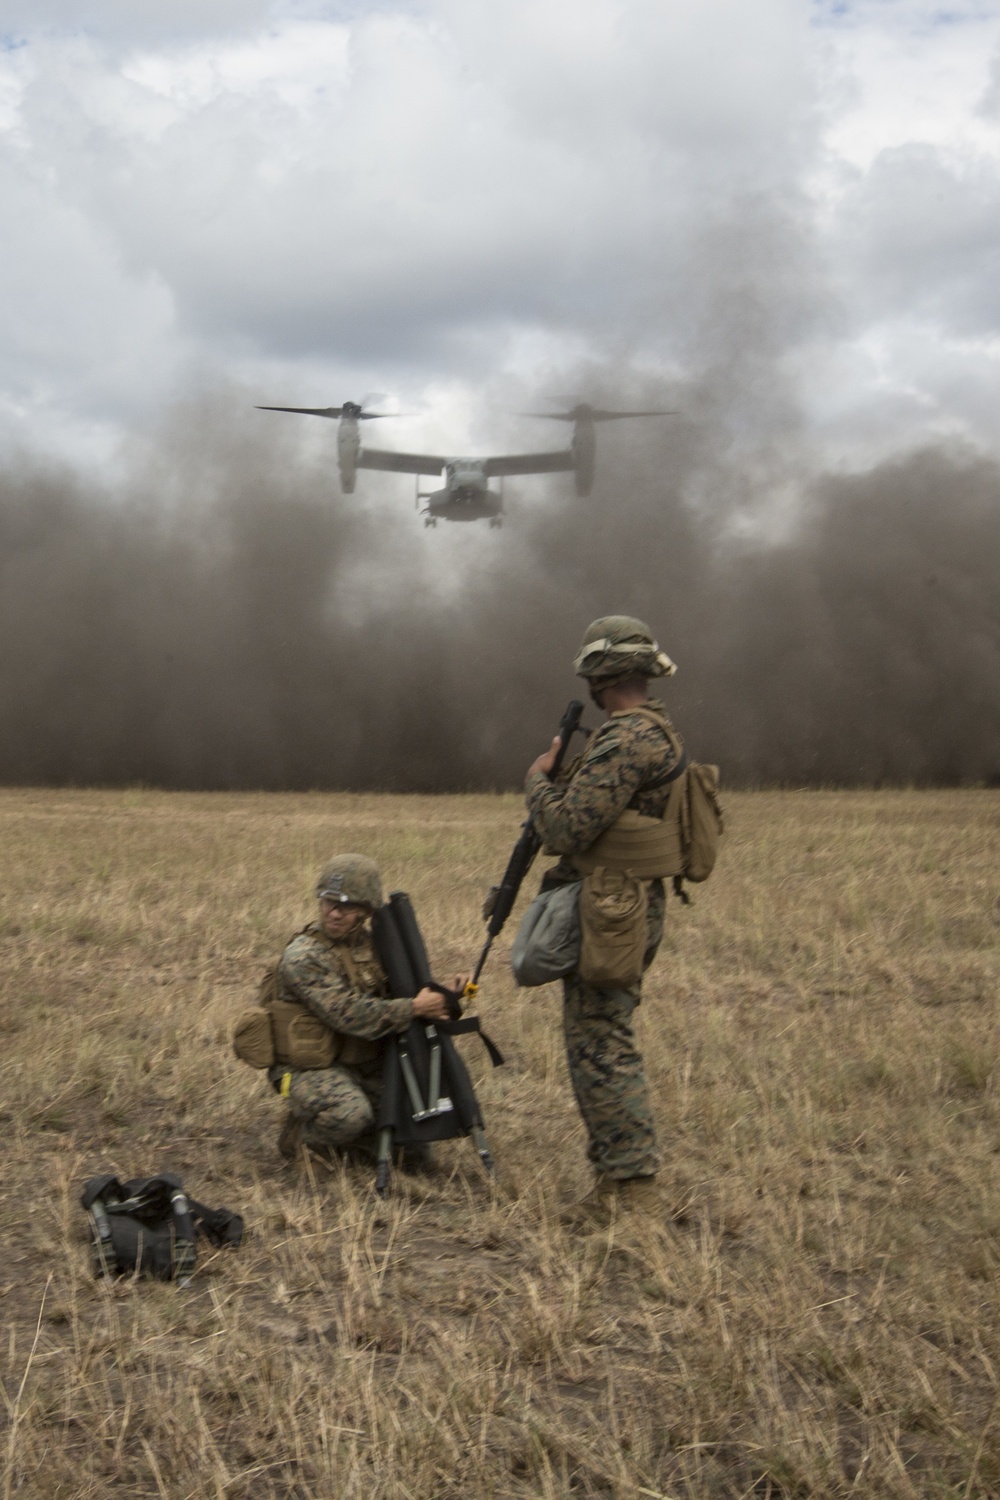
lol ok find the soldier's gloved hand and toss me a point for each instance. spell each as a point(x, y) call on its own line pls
point(430, 1005)
point(545, 762)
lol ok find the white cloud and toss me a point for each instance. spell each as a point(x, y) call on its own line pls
point(318, 201)
point(123, 22)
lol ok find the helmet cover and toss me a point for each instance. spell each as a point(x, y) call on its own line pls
point(617, 646)
point(351, 878)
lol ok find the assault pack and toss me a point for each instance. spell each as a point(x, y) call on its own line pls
point(149, 1226)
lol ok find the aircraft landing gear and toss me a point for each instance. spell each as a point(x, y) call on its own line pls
point(496, 522)
point(430, 520)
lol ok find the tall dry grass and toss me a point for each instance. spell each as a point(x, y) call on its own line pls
point(817, 1318)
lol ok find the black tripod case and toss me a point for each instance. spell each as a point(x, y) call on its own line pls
point(427, 1094)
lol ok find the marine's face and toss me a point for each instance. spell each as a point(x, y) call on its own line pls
point(339, 919)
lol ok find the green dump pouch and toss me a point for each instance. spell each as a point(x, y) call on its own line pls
point(253, 1038)
point(547, 945)
point(613, 931)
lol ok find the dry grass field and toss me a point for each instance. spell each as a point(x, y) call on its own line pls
point(817, 1317)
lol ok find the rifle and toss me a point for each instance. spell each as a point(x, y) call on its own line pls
point(501, 898)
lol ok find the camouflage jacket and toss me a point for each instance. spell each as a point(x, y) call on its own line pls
point(341, 983)
point(625, 764)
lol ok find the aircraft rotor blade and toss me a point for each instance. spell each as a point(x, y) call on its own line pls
point(614, 416)
point(306, 411)
point(356, 409)
point(583, 412)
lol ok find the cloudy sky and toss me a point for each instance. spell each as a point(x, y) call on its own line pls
point(458, 202)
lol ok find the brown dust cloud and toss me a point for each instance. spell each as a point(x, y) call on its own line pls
point(229, 620)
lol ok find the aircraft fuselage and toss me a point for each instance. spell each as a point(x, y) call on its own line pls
point(467, 495)
point(466, 477)
point(463, 505)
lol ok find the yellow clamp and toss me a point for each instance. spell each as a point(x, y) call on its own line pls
point(471, 991)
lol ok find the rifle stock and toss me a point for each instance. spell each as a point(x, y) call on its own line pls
point(502, 897)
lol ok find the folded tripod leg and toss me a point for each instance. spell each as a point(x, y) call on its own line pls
point(410, 1079)
point(478, 1135)
point(383, 1172)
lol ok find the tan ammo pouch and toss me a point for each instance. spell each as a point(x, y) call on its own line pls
point(613, 930)
point(288, 1033)
point(253, 1038)
point(301, 1039)
point(282, 1031)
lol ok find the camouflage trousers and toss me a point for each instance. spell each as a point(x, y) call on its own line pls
point(337, 1106)
point(605, 1066)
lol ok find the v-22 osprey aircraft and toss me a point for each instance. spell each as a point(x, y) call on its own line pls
point(466, 495)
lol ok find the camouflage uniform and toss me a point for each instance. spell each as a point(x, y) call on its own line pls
point(625, 765)
point(343, 984)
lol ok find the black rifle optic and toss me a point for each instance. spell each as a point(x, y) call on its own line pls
point(427, 1094)
point(500, 901)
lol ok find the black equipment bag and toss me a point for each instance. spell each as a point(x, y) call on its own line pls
point(460, 1114)
point(427, 1094)
point(150, 1226)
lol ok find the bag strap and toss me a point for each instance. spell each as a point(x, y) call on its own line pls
point(676, 744)
point(675, 771)
point(218, 1225)
point(467, 1026)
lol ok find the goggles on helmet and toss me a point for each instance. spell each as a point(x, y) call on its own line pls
point(607, 658)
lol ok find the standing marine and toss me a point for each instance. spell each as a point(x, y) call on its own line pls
point(627, 764)
point(331, 1013)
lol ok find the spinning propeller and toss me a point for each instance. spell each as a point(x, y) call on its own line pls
point(584, 412)
point(353, 409)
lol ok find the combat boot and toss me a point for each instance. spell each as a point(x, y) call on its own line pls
point(640, 1195)
point(613, 1199)
point(290, 1137)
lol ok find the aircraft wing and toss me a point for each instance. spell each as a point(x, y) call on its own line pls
point(400, 463)
point(530, 463)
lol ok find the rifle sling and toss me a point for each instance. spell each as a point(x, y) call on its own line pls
point(465, 1027)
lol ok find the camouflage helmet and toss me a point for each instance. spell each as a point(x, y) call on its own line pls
point(618, 646)
point(351, 877)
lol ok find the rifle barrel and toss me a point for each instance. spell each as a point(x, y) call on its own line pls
point(523, 854)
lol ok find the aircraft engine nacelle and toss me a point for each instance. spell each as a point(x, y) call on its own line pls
point(348, 448)
point(583, 448)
